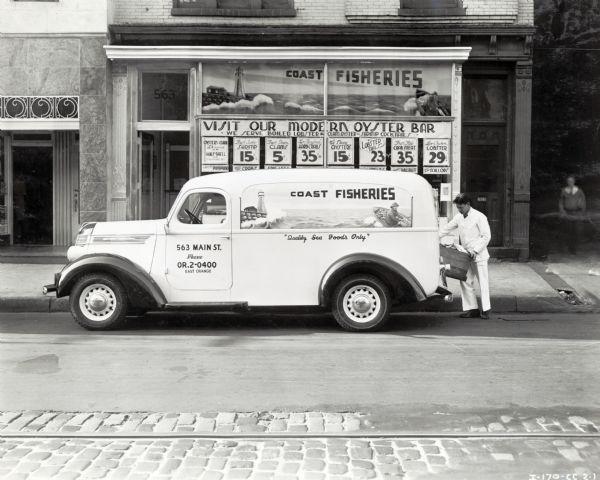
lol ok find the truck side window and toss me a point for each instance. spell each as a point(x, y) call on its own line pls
point(203, 208)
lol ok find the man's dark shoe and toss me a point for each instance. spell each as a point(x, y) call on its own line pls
point(485, 315)
point(470, 314)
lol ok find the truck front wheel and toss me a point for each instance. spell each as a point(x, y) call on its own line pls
point(98, 302)
point(361, 303)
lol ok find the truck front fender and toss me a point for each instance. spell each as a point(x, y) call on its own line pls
point(138, 283)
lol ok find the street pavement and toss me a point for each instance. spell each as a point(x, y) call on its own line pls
point(292, 396)
point(176, 363)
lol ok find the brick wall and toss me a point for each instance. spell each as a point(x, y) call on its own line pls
point(325, 12)
point(525, 12)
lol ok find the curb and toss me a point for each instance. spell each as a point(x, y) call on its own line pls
point(34, 304)
point(500, 304)
point(505, 304)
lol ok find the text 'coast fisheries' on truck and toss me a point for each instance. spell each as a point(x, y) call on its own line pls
point(355, 242)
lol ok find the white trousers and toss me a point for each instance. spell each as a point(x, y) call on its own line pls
point(477, 270)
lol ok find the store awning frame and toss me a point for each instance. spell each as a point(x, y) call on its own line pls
point(236, 53)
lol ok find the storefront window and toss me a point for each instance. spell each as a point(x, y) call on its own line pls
point(263, 89)
point(485, 99)
point(389, 89)
point(164, 96)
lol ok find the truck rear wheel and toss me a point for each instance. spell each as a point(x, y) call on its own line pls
point(98, 302)
point(361, 303)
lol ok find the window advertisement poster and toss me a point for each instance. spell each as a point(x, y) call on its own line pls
point(436, 156)
point(217, 127)
point(246, 153)
point(318, 205)
point(263, 88)
point(372, 153)
point(340, 152)
point(389, 88)
point(278, 152)
point(309, 152)
point(445, 192)
point(389, 128)
point(405, 155)
point(215, 154)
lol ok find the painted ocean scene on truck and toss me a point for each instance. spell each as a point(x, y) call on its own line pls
point(325, 206)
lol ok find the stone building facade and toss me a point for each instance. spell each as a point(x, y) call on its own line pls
point(196, 86)
point(53, 119)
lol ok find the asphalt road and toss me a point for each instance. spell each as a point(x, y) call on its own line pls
point(542, 363)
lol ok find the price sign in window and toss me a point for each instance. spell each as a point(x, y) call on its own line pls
point(372, 153)
point(278, 152)
point(246, 153)
point(436, 156)
point(405, 154)
point(340, 152)
point(309, 152)
point(215, 154)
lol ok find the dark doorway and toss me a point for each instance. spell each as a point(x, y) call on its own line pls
point(484, 153)
point(485, 147)
point(32, 194)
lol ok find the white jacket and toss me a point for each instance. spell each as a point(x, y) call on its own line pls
point(473, 232)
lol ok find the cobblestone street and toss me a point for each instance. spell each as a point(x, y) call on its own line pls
point(107, 423)
point(314, 459)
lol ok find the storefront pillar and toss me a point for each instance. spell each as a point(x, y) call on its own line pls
point(120, 132)
point(522, 158)
point(456, 129)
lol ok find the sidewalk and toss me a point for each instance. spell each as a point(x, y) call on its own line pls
point(515, 287)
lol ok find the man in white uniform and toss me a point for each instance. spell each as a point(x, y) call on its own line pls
point(474, 235)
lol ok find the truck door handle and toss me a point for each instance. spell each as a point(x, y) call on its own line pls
point(226, 237)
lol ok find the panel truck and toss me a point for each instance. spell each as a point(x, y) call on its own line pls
point(354, 242)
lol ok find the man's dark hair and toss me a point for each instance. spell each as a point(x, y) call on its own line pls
point(462, 199)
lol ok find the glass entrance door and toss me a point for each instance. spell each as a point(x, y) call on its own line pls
point(162, 167)
point(32, 199)
point(4, 194)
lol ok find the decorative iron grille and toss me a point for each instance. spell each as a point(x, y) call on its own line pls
point(30, 108)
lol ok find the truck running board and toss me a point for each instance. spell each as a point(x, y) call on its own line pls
point(207, 306)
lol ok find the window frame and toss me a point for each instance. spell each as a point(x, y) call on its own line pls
point(415, 8)
point(204, 8)
point(179, 205)
point(168, 124)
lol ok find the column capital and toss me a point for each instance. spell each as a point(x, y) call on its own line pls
point(524, 69)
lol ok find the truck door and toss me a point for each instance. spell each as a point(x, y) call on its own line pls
point(198, 244)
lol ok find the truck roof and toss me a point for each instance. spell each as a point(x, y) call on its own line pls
point(237, 181)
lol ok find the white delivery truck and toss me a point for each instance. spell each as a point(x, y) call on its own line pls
point(356, 242)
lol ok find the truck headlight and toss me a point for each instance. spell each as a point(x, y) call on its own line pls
point(84, 233)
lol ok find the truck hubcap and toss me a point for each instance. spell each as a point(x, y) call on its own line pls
point(362, 303)
point(97, 302)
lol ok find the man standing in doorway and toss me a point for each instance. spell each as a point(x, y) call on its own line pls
point(473, 235)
